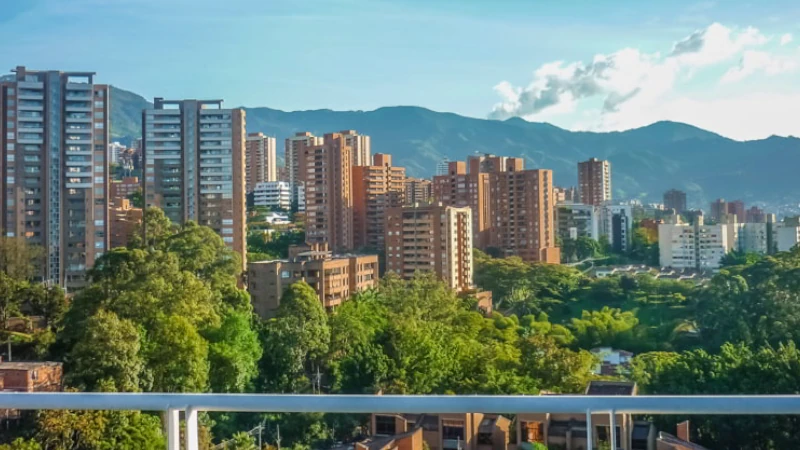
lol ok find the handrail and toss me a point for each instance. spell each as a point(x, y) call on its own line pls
point(643, 404)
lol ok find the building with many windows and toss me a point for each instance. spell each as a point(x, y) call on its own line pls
point(273, 194)
point(293, 149)
point(334, 277)
point(361, 148)
point(194, 154)
point(418, 190)
point(675, 200)
point(375, 188)
point(325, 172)
point(431, 237)
point(594, 181)
point(577, 220)
point(694, 246)
point(260, 160)
point(53, 159)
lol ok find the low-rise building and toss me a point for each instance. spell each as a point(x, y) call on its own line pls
point(333, 277)
point(273, 194)
point(29, 376)
point(123, 222)
point(569, 430)
point(471, 431)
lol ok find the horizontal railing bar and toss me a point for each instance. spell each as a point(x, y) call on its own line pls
point(753, 404)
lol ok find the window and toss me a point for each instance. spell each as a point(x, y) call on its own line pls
point(98, 104)
point(10, 135)
point(98, 125)
point(385, 425)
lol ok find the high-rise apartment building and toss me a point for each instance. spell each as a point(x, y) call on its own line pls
point(293, 149)
point(736, 208)
point(675, 200)
point(53, 158)
point(565, 195)
point(522, 215)
point(361, 149)
point(616, 223)
point(756, 215)
point(594, 181)
point(428, 238)
point(325, 171)
point(512, 208)
point(375, 188)
point(260, 160)
point(115, 150)
point(442, 167)
point(194, 165)
point(719, 209)
point(418, 190)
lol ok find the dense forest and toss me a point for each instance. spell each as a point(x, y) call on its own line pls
point(167, 315)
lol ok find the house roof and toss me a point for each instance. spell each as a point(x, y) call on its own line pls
point(27, 365)
point(679, 444)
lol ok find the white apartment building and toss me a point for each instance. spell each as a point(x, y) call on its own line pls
point(273, 194)
point(697, 246)
point(616, 222)
point(574, 220)
point(753, 237)
point(786, 236)
point(115, 149)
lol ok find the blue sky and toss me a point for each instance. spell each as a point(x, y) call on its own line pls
point(536, 59)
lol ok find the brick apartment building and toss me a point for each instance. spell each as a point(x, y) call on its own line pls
point(512, 208)
point(334, 278)
point(375, 189)
point(418, 190)
point(122, 189)
point(325, 171)
point(123, 222)
point(260, 159)
point(28, 377)
point(594, 181)
point(431, 237)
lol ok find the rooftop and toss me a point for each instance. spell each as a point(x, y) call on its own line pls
point(611, 388)
point(27, 365)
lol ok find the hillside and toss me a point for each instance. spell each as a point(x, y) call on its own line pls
point(645, 161)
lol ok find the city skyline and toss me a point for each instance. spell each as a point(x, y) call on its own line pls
point(610, 67)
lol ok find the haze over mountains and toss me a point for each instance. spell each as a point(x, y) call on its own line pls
point(645, 161)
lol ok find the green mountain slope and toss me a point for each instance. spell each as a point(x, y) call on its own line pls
point(645, 161)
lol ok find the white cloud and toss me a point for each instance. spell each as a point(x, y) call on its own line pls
point(754, 61)
point(786, 38)
point(639, 88)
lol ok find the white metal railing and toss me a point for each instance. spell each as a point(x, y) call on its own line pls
point(191, 404)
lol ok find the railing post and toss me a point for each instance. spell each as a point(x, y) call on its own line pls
point(613, 430)
point(173, 429)
point(191, 429)
point(589, 429)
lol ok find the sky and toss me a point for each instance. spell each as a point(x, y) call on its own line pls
point(732, 66)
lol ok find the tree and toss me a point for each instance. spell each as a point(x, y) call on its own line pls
point(739, 258)
point(137, 199)
point(607, 327)
point(553, 367)
point(98, 430)
point(644, 248)
point(241, 441)
point(106, 356)
point(733, 370)
point(154, 229)
point(233, 353)
point(21, 444)
point(177, 357)
point(295, 342)
point(586, 247)
point(18, 258)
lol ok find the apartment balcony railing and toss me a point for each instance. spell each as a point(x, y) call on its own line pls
point(191, 404)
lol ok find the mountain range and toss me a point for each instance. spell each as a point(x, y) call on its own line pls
point(645, 162)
